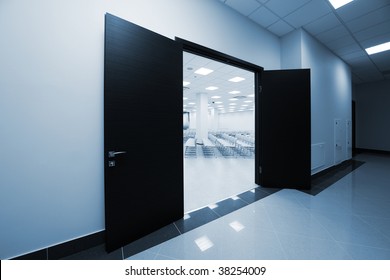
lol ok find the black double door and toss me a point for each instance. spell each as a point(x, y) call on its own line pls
point(143, 131)
point(284, 130)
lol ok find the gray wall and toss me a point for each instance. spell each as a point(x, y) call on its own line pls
point(331, 96)
point(51, 104)
point(373, 115)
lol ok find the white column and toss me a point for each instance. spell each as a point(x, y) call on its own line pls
point(201, 116)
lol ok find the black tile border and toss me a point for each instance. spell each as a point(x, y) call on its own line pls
point(324, 179)
point(371, 151)
point(92, 247)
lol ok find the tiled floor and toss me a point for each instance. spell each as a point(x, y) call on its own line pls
point(345, 216)
point(218, 177)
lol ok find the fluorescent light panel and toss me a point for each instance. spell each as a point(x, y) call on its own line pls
point(236, 79)
point(339, 3)
point(203, 71)
point(186, 83)
point(211, 88)
point(378, 48)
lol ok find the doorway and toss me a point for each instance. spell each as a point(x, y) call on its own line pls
point(218, 134)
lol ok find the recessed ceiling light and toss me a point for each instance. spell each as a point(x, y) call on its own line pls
point(233, 99)
point(218, 102)
point(185, 98)
point(215, 97)
point(339, 3)
point(248, 101)
point(251, 95)
point(191, 103)
point(245, 105)
point(186, 83)
point(233, 104)
point(378, 48)
point(236, 79)
point(212, 88)
point(203, 71)
point(234, 92)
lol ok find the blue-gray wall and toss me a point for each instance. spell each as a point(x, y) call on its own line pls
point(373, 115)
point(331, 97)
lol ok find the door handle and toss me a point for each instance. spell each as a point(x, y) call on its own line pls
point(112, 154)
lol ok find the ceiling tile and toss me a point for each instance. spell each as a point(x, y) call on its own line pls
point(359, 8)
point(244, 7)
point(263, 17)
point(308, 13)
point(347, 50)
point(280, 28)
point(374, 31)
point(382, 60)
point(283, 8)
point(369, 20)
point(353, 55)
point(376, 40)
point(332, 34)
point(322, 24)
point(342, 42)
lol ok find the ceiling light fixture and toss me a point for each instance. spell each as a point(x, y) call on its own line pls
point(378, 48)
point(211, 88)
point(339, 3)
point(203, 71)
point(215, 97)
point(237, 79)
point(186, 83)
point(234, 92)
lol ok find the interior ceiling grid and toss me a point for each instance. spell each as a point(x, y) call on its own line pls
point(346, 31)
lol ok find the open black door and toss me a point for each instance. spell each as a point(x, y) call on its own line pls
point(142, 131)
point(285, 129)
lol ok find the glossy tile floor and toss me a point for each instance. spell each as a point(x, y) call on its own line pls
point(346, 216)
point(218, 177)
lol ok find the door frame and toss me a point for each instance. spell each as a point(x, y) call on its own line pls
point(236, 62)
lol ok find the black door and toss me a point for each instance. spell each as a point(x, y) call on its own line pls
point(285, 129)
point(143, 131)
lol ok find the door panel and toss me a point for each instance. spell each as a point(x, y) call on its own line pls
point(285, 129)
point(143, 127)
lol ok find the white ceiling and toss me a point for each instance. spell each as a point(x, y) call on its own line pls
point(219, 78)
point(346, 31)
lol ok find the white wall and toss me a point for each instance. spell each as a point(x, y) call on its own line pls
point(238, 121)
point(331, 94)
point(51, 104)
point(373, 115)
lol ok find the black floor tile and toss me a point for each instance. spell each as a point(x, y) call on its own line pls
point(74, 246)
point(197, 219)
point(38, 255)
point(153, 239)
point(251, 197)
point(96, 253)
point(325, 180)
point(229, 205)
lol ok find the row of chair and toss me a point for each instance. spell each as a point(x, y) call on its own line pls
point(226, 144)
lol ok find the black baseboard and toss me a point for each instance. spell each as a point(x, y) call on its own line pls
point(372, 151)
point(65, 249)
point(325, 178)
